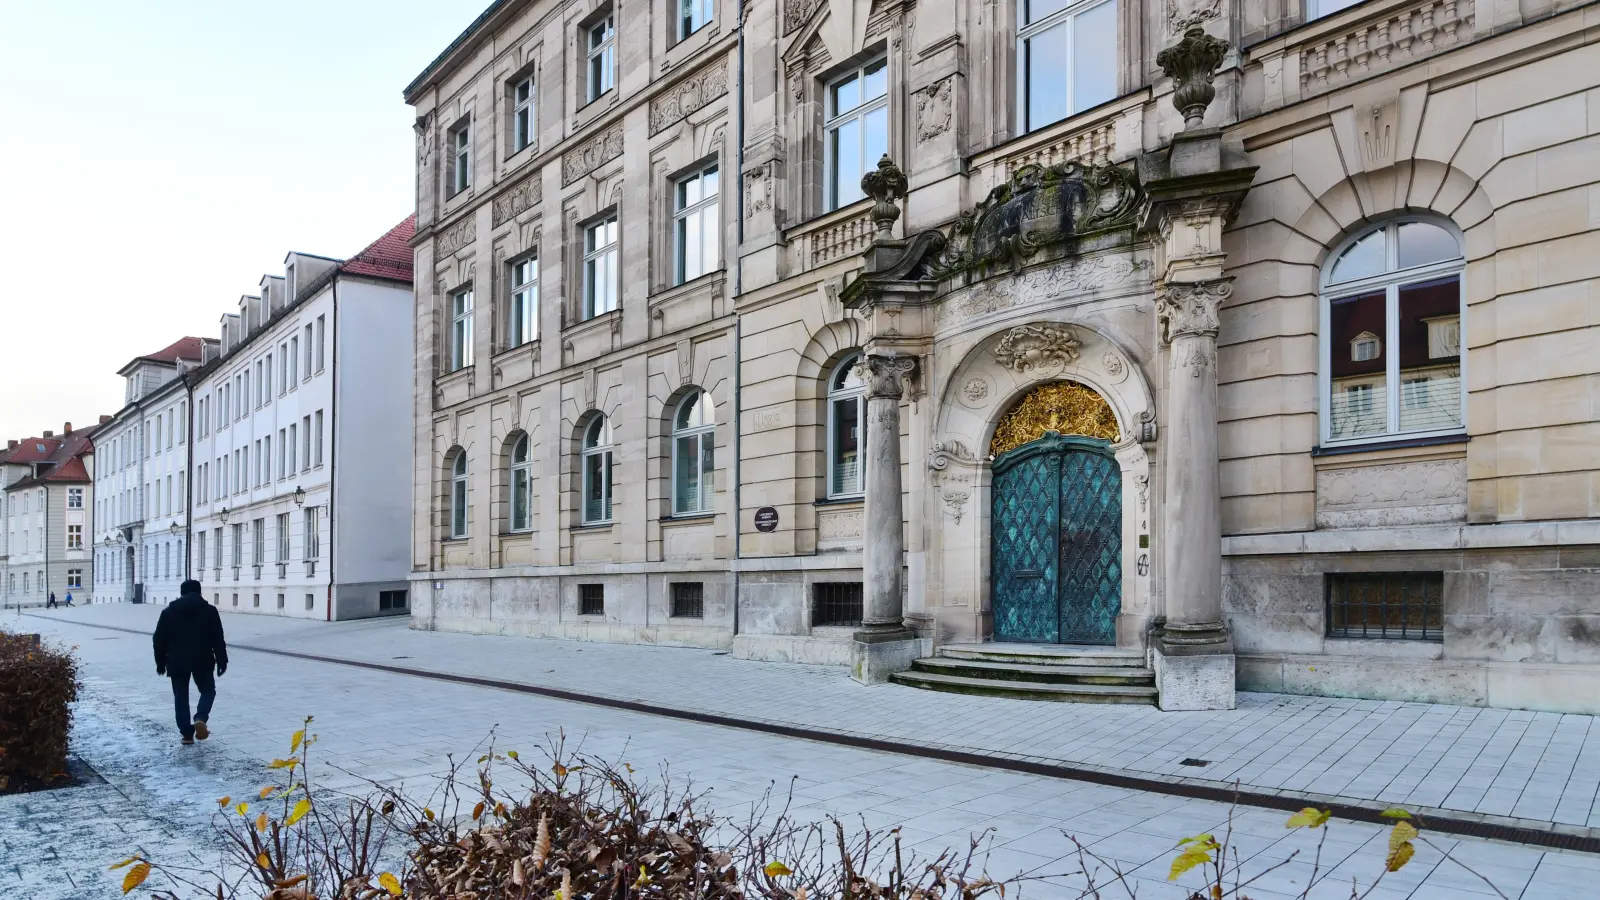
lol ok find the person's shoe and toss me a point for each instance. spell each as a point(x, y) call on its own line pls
point(188, 741)
point(200, 729)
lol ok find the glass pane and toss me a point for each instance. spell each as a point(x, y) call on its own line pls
point(458, 519)
point(1422, 243)
point(1094, 56)
point(1045, 76)
point(709, 238)
point(1034, 10)
point(877, 138)
point(594, 492)
point(708, 446)
point(876, 80)
point(1364, 258)
point(611, 280)
point(515, 338)
point(846, 95)
point(520, 454)
point(686, 476)
point(689, 191)
point(691, 249)
point(709, 181)
point(845, 377)
point(847, 163)
point(1329, 7)
point(519, 498)
point(1430, 355)
point(1358, 404)
point(845, 451)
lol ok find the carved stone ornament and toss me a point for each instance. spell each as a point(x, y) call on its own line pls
point(456, 237)
point(424, 129)
point(796, 12)
point(1054, 283)
point(688, 95)
point(1113, 364)
point(592, 154)
point(975, 391)
point(956, 501)
point(1039, 207)
point(1041, 345)
point(1183, 14)
point(1190, 309)
point(758, 189)
point(945, 452)
point(886, 185)
point(885, 375)
point(1062, 407)
point(1191, 64)
point(519, 199)
point(933, 110)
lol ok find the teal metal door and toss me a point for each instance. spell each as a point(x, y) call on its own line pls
point(1057, 542)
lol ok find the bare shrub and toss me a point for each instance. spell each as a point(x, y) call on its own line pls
point(37, 687)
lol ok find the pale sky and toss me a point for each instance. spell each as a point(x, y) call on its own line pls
point(161, 156)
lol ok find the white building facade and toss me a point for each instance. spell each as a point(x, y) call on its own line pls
point(46, 494)
point(141, 484)
point(301, 425)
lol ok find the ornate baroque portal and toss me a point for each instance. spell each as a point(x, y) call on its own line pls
point(1064, 407)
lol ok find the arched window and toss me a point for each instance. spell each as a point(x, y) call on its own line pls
point(847, 429)
point(694, 442)
point(597, 464)
point(1391, 335)
point(458, 496)
point(521, 485)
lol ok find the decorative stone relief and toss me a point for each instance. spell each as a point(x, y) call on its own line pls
point(424, 129)
point(1039, 345)
point(1415, 493)
point(457, 236)
point(1064, 407)
point(1198, 359)
point(946, 452)
point(955, 500)
point(933, 110)
point(885, 375)
point(975, 393)
point(1185, 308)
point(688, 95)
point(1116, 368)
point(843, 525)
point(758, 189)
point(1184, 14)
point(795, 14)
point(519, 199)
point(1039, 285)
point(592, 154)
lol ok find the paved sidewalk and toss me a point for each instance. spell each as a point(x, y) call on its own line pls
point(1527, 769)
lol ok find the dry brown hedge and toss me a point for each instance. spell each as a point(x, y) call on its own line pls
point(37, 687)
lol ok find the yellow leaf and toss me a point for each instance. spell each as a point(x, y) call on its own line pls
point(224, 801)
point(262, 860)
point(775, 869)
point(127, 862)
point(299, 811)
point(1197, 853)
point(1399, 856)
point(511, 753)
point(1395, 812)
point(1310, 817)
point(261, 823)
point(242, 808)
point(427, 814)
point(135, 877)
point(559, 769)
point(1401, 833)
point(289, 764)
point(266, 791)
point(294, 742)
point(389, 883)
point(477, 811)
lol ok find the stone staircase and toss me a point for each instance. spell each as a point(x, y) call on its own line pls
point(1076, 674)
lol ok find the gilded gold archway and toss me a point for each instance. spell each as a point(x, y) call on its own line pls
point(1064, 407)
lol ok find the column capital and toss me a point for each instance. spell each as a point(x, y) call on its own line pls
point(1191, 308)
point(885, 375)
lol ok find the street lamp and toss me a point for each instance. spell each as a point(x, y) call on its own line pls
point(173, 529)
point(223, 515)
point(299, 496)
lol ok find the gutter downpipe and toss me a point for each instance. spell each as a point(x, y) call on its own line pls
point(188, 480)
point(738, 342)
point(333, 432)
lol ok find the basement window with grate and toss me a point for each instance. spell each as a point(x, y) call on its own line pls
point(836, 603)
point(688, 600)
point(591, 599)
point(1406, 606)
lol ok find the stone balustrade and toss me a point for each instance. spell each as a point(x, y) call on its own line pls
point(837, 235)
point(1101, 136)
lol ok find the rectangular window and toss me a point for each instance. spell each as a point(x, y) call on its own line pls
point(280, 601)
point(857, 130)
point(688, 599)
point(523, 324)
point(591, 599)
point(244, 394)
point(1386, 605)
point(318, 442)
point(74, 498)
point(697, 232)
point(200, 549)
point(322, 340)
point(283, 454)
point(74, 579)
point(290, 446)
point(238, 544)
point(266, 380)
point(460, 158)
point(602, 57)
point(600, 286)
point(294, 360)
point(283, 369)
point(311, 601)
point(836, 603)
point(523, 120)
point(305, 456)
point(460, 330)
point(261, 394)
point(283, 537)
point(310, 348)
point(74, 537)
point(255, 600)
point(693, 15)
point(313, 539)
point(258, 455)
point(258, 544)
point(1066, 58)
point(216, 557)
point(388, 600)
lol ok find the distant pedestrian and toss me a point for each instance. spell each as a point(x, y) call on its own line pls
point(69, 599)
point(188, 644)
point(52, 604)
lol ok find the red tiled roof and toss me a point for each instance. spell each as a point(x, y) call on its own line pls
point(28, 451)
point(388, 257)
point(184, 348)
point(65, 453)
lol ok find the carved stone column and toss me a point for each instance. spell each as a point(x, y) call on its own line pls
point(884, 538)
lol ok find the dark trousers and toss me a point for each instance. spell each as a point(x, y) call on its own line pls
point(206, 682)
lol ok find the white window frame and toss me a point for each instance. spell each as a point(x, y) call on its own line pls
point(859, 395)
point(600, 56)
point(283, 537)
point(74, 498)
point(313, 533)
point(460, 157)
point(601, 297)
point(694, 15)
point(521, 485)
point(597, 442)
point(457, 525)
point(524, 111)
point(835, 119)
point(461, 307)
point(322, 341)
point(522, 314)
point(74, 537)
point(1390, 280)
point(699, 433)
point(1025, 33)
point(704, 215)
point(318, 443)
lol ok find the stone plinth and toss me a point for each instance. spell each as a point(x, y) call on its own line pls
point(873, 661)
point(1189, 680)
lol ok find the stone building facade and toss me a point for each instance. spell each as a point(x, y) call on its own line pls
point(1255, 339)
point(46, 517)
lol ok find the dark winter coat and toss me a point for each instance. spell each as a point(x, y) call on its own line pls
point(189, 636)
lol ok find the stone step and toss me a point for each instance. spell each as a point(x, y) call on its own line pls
point(1045, 654)
point(1046, 674)
point(1025, 690)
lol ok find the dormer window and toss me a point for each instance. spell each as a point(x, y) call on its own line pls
point(1365, 347)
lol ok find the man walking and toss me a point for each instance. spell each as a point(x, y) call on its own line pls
point(68, 601)
point(52, 603)
point(188, 643)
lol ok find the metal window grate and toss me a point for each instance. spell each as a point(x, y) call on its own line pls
point(688, 600)
point(836, 603)
point(591, 599)
point(1407, 606)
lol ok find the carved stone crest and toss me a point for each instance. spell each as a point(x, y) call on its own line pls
point(795, 14)
point(688, 95)
point(519, 199)
point(956, 501)
point(1027, 348)
point(933, 110)
point(592, 154)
